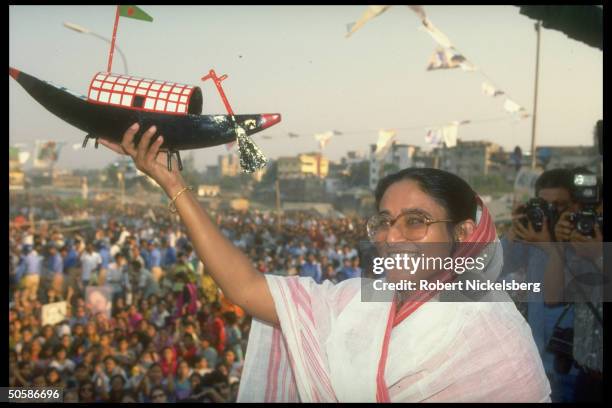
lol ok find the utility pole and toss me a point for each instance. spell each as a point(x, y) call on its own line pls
point(278, 205)
point(535, 97)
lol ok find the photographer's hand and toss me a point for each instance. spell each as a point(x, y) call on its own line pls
point(588, 247)
point(564, 228)
point(517, 215)
point(529, 234)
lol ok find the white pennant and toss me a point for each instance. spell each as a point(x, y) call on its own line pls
point(445, 58)
point(385, 138)
point(433, 136)
point(369, 14)
point(439, 37)
point(419, 11)
point(323, 138)
point(23, 157)
point(511, 106)
point(490, 90)
point(449, 134)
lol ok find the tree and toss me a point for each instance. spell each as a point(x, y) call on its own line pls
point(359, 174)
point(269, 178)
point(390, 168)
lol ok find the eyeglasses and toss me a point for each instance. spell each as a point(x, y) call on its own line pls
point(413, 226)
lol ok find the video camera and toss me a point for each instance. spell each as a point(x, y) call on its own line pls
point(535, 210)
point(586, 193)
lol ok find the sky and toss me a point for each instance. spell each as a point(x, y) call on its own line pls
point(295, 60)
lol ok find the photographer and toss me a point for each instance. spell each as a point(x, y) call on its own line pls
point(526, 256)
point(578, 278)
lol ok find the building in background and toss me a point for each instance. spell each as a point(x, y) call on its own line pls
point(303, 165)
point(397, 157)
point(567, 157)
point(208, 190)
point(470, 160)
point(228, 165)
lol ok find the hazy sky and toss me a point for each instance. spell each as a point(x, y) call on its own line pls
point(295, 60)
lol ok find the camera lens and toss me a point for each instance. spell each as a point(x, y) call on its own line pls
point(585, 225)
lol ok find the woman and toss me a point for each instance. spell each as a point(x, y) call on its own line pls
point(182, 381)
point(87, 392)
point(321, 343)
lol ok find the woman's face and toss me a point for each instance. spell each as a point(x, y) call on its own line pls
point(184, 369)
point(52, 377)
point(117, 384)
point(407, 196)
point(66, 342)
point(156, 374)
point(105, 340)
point(230, 357)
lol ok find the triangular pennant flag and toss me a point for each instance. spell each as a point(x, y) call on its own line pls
point(385, 138)
point(323, 138)
point(490, 90)
point(467, 65)
point(46, 153)
point(369, 14)
point(439, 37)
point(460, 122)
point(419, 11)
point(511, 106)
point(134, 12)
point(449, 134)
point(445, 59)
point(433, 136)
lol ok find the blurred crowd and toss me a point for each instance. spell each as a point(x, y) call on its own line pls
point(168, 334)
point(165, 333)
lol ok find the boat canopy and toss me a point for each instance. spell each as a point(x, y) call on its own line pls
point(145, 94)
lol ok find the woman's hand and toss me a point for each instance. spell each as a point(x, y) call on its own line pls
point(147, 158)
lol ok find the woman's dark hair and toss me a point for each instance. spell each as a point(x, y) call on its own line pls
point(450, 191)
point(50, 370)
point(86, 383)
point(118, 376)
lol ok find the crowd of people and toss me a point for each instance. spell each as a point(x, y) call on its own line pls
point(168, 334)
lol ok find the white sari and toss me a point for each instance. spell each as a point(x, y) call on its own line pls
point(329, 344)
point(333, 347)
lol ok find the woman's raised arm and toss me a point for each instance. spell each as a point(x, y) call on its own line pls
point(229, 267)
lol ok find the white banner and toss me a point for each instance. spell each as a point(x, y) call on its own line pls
point(53, 313)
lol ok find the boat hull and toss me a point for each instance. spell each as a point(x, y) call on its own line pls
point(181, 132)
